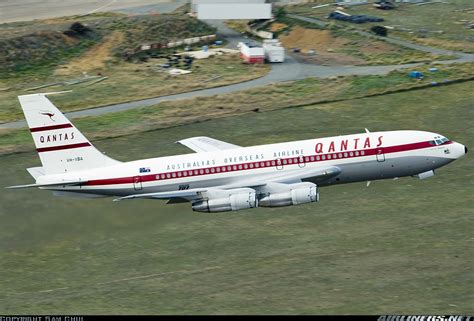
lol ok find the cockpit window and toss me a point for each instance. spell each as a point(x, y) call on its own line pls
point(439, 141)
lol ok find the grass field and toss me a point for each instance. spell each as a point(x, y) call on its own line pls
point(128, 81)
point(335, 45)
point(35, 62)
point(425, 21)
point(397, 247)
point(266, 98)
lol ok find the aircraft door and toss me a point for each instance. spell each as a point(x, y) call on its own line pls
point(137, 183)
point(379, 153)
point(279, 164)
point(301, 161)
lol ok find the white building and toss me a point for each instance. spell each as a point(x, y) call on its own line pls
point(231, 9)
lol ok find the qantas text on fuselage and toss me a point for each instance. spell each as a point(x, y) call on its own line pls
point(221, 176)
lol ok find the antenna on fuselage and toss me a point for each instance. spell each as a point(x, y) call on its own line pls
point(367, 131)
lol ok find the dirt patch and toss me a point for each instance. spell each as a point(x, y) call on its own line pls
point(307, 39)
point(324, 45)
point(277, 26)
point(95, 58)
point(376, 47)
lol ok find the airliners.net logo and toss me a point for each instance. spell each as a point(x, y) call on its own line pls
point(425, 318)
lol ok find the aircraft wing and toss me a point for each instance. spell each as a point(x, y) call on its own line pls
point(295, 176)
point(206, 144)
point(290, 177)
point(185, 194)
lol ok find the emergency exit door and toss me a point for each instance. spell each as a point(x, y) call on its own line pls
point(137, 183)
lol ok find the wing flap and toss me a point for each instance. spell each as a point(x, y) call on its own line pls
point(288, 177)
point(186, 194)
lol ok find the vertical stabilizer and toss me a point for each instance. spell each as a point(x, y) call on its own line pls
point(60, 145)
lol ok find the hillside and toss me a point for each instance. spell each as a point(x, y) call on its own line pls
point(47, 43)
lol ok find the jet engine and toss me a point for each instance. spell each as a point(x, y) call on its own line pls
point(226, 200)
point(276, 195)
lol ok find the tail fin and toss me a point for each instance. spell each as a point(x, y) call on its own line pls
point(60, 145)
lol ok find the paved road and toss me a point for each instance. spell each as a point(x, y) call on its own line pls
point(25, 10)
point(291, 69)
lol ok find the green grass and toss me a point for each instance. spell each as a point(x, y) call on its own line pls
point(128, 82)
point(398, 247)
point(359, 46)
point(37, 53)
point(40, 45)
point(40, 63)
point(434, 17)
point(276, 96)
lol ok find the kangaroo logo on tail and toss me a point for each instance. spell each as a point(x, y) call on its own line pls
point(49, 114)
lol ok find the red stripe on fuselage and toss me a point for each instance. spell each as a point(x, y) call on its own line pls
point(41, 129)
point(263, 164)
point(54, 148)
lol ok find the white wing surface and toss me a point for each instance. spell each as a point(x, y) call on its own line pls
point(204, 144)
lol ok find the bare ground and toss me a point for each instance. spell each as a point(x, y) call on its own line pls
point(95, 58)
point(323, 43)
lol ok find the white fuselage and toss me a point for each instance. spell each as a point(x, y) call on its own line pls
point(360, 157)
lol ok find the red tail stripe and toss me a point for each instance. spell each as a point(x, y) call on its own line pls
point(53, 148)
point(272, 163)
point(40, 129)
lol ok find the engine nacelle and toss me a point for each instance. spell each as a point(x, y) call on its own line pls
point(293, 194)
point(226, 200)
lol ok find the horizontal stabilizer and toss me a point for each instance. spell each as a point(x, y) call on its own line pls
point(36, 171)
point(58, 184)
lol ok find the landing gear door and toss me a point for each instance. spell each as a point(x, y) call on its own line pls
point(380, 155)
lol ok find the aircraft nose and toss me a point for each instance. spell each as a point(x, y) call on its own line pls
point(465, 149)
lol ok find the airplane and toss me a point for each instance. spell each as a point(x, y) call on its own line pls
point(220, 176)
